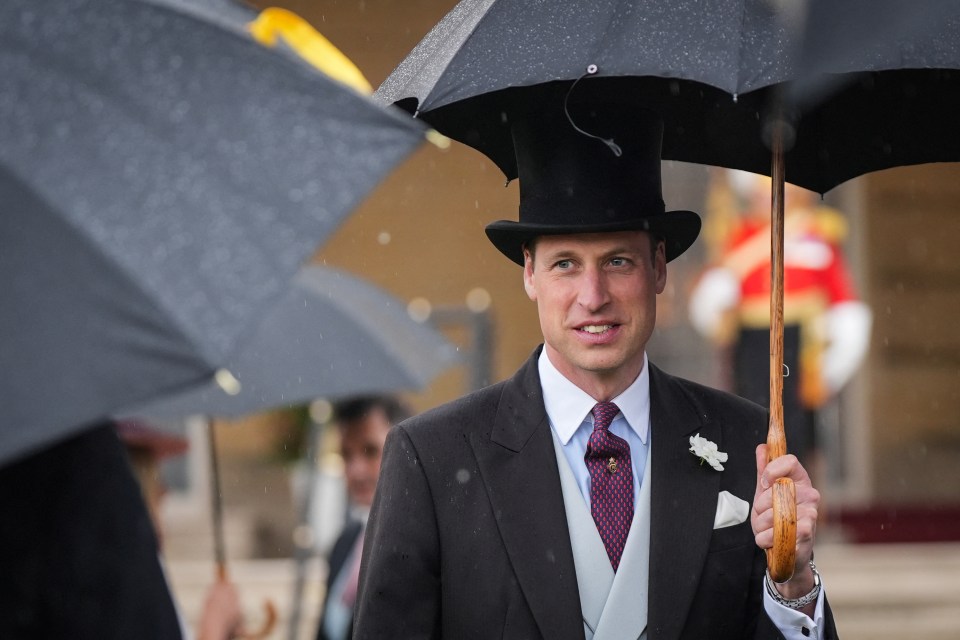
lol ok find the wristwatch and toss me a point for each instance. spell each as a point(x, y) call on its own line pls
point(800, 602)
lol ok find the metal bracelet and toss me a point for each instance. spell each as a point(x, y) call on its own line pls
point(800, 602)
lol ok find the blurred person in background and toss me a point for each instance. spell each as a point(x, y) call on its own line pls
point(78, 553)
point(363, 423)
point(147, 447)
point(826, 326)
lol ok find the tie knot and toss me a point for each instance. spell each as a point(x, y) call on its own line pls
point(603, 415)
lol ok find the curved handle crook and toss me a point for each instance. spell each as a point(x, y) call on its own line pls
point(269, 622)
point(781, 558)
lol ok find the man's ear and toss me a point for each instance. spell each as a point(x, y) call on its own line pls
point(528, 275)
point(660, 266)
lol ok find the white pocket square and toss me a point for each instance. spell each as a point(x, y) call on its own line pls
point(731, 510)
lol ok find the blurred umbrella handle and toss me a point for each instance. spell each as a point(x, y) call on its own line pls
point(216, 502)
point(269, 622)
point(219, 546)
point(781, 558)
point(269, 612)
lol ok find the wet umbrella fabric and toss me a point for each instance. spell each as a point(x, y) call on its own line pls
point(883, 79)
point(714, 71)
point(331, 334)
point(162, 178)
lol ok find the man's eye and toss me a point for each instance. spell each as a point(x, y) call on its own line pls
point(618, 262)
point(564, 264)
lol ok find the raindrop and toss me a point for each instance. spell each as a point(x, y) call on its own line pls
point(179, 112)
point(383, 237)
point(463, 476)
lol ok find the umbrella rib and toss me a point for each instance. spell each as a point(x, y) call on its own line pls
point(410, 70)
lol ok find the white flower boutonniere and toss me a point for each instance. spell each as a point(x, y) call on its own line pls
point(707, 451)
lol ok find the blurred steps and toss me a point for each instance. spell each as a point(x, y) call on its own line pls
point(878, 592)
point(893, 591)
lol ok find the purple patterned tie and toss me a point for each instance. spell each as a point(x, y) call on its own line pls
point(611, 482)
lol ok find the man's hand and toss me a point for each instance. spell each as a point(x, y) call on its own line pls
point(808, 503)
point(222, 617)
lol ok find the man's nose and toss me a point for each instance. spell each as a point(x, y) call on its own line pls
point(593, 292)
point(353, 468)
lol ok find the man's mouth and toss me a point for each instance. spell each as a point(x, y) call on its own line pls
point(596, 328)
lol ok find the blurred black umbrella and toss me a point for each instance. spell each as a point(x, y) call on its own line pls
point(162, 177)
point(714, 70)
point(331, 334)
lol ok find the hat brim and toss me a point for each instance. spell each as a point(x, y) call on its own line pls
point(679, 229)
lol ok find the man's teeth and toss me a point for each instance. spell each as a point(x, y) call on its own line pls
point(596, 328)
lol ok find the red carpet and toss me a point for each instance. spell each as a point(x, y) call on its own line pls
point(899, 523)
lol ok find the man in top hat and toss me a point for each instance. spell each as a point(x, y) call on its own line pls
point(592, 495)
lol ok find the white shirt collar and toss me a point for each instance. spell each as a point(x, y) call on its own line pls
point(568, 405)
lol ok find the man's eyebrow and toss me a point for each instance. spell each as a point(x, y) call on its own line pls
point(621, 251)
point(559, 254)
point(566, 254)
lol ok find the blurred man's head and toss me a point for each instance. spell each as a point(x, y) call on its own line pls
point(364, 423)
point(147, 446)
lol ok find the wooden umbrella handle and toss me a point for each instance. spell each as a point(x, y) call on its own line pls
point(269, 622)
point(781, 558)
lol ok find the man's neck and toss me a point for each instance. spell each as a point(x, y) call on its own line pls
point(602, 386)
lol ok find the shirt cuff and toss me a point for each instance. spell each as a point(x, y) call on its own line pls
point(793, 624)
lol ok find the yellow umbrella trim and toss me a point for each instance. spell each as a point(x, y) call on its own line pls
point(275, 23)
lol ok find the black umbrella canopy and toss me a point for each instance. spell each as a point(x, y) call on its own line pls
point(162, 177)
point(716, 72)
point(331, 334)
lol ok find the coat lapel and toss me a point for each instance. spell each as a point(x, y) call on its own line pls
point(683, 501)
point(519, 469)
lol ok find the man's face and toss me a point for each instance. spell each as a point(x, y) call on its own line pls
point(596, 296)
point(361, 444)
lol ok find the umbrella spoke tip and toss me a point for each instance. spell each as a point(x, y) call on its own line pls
point(227, 381)
point(437, 139)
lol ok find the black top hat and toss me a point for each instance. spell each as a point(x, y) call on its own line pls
point(571, 181)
